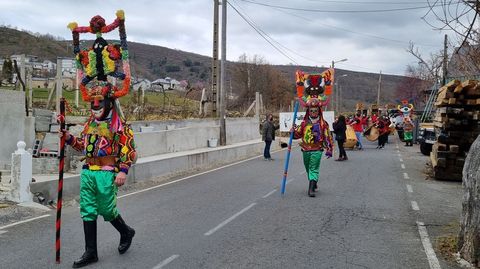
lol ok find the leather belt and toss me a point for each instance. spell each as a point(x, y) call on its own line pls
point(101, 161)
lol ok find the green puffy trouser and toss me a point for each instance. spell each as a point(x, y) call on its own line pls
point(311, 160)
point(408, 136)
point(98, 195)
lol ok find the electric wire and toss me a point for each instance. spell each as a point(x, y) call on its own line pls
point(280, 44)
point(261, 34)
point(353, 32)
point(339, 11)
point(370, 2)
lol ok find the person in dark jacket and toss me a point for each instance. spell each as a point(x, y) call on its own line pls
point(268, 135)
point(340, 128)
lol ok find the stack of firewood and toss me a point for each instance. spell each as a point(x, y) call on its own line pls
point(456, 121)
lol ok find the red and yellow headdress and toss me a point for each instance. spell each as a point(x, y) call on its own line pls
point(102, 60)
point(314, 89)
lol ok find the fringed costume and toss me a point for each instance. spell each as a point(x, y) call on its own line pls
point(313, 91)
point(106, 140)
point(407, 111)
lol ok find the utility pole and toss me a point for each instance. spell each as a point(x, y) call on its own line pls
point(379, 88)
point(215, 58)
point(445, 61)
point(223, 70)
point(58, 86)
point(333, 85)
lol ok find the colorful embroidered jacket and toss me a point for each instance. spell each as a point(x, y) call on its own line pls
point(97, 140)
point(315, 136)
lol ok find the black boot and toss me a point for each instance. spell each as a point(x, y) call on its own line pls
point(90, 255)
point(311, 192)
point(315, 186)
point(126, 234)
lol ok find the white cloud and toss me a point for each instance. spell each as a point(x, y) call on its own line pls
point(187, 25)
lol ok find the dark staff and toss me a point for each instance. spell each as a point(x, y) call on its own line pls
point(60, 180)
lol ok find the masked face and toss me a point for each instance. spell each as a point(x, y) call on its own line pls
point(101, 108)
point(314, 111)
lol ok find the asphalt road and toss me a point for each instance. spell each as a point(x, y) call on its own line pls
point(235, 217)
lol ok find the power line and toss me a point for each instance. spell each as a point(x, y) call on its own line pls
point(281, 45)
point(261, 34)
point(371, 2)
point(351, 31)
point(338, 11)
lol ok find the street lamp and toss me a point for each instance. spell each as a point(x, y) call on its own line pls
point(333, 67)
point(338, 94)
point(339, 61)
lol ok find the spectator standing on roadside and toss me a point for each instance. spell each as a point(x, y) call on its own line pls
point(268, 135)
point(340, 128)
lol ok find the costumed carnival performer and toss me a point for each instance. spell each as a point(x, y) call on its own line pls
point(357, 123)
point(314, 130)
point(384, 130)
point(408, 132)
point(407, 110)
point(106, 140)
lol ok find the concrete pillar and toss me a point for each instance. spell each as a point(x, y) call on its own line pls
point(257, 104)
point(21, 175)
point(30, 90)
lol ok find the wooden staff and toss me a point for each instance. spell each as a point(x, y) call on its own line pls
point(60, 180)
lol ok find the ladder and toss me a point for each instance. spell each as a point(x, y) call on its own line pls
point(429, 106)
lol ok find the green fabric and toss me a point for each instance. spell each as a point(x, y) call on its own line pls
point(311, 160)
point(98, 195)
point(407, 136)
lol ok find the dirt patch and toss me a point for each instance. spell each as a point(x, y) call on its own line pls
point(11, 212)
point(428, 171)
point(447, 247)
point(446, 243)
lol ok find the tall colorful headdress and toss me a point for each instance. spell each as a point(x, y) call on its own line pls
point(102, 59)
point(406, 109)
point(314, 89)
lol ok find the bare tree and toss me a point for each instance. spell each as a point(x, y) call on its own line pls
point(459, 17)
point(256, 75)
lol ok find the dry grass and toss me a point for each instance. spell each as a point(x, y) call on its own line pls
point(446, 244)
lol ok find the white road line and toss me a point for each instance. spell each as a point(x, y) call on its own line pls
point(431, 256)
point(409, 188)
point(182, 179)
point(400, 159)
point(166, 261)
point(23, 221)
point(405, 176)
point(415, 206)
point(2, 232)
point(225, 222)
point(268, 194)
point(403, 166)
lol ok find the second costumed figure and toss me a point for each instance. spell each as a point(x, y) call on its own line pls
point(314, 131)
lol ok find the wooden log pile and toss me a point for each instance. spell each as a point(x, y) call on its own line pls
point(456, 121)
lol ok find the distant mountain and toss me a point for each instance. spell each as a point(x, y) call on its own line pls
point(153, 62)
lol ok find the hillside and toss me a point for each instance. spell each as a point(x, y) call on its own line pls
point(153, 62)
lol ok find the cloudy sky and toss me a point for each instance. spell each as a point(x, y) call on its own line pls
point(372, 34)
